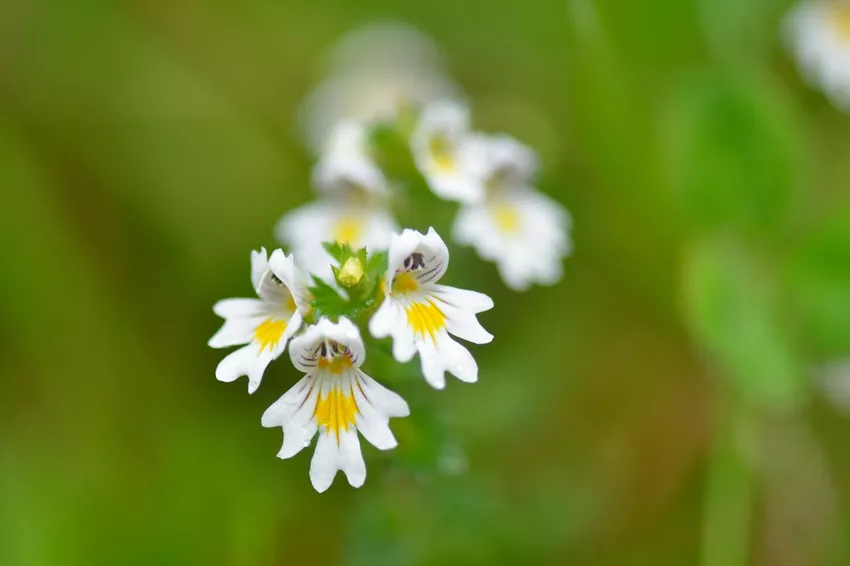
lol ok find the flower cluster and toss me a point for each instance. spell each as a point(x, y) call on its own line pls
point(353, 274)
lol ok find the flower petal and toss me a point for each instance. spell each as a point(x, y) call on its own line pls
point(445, 354)
point(250, 360)
point(294, 411)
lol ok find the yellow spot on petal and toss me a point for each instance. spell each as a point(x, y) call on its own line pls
point(290, 303)
point(347, 229)
point(442, 152)
point(337, 365)
point(405, 283)
point(268, 334)
point(839, 15)
point(506, 217)
point(425, 318)
point(336, 411)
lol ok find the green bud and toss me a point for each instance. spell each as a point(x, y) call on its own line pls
point(351, 272)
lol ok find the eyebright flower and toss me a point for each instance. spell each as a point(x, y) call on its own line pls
point(264, 324)
point(335, 220)
point(420, 314)
point(376, 73)
point(819, 33)
point(345, 166)
point(336, 399)
point(447, 153)
point(523, 231)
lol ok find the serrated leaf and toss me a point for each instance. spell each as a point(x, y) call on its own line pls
point(337, 250)
point(327, 302)
point(376, 264)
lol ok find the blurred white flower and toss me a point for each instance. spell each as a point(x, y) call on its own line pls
point(523, 231)
point(345, 166)
point(373, 73)
point(264, 324)
point(336, 399)
point(819, 34)
point(834, 381)
point(448, 154)
point(420, 315)
point(358, 224)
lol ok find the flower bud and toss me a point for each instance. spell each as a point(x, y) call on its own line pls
point(351, 272)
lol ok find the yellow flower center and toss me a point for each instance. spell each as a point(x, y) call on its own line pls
point(839, 13)
point(269, 332)
point(442, 152)
point(405, 283)
point(425, 318)
point(347, 230)
point(336, 411)
point(506, 217)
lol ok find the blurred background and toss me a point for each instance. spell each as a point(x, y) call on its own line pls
point(677, 399)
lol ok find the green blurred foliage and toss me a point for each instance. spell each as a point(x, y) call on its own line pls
point(652, 408)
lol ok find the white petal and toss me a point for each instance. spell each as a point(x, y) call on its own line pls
point(471, 301)
point(325, 462)
point(465, 325)
point(446, 355)
point(235, 331)
point(375, 406)
point(351, 459)
point(294, 412)
point(248, 361)
point(283, 266)
point(229, 308)
point(390, 320)
point(259, 264)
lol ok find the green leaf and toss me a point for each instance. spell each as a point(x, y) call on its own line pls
point(818, 286)
point(376, 264)
point(730, 146)
point(327, 302)
point(337, 250)
point(732, 307)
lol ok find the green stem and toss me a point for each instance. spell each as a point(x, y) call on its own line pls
point(727, 514)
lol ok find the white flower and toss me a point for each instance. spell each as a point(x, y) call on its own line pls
point(523, 231)
point(264, 324)
point(336, 399)
point(451, 158)
point(420, 315)
point(819, 33)
point(375, 72)
point(833, 380)
point(345, 166)
point(357, 224)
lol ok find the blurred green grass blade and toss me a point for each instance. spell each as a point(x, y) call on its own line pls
point(727, 513)
point(733, 310)
point(731, 145)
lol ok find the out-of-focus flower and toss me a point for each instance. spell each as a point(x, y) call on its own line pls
point(451, 158)
point(523, 231)
point(264, 324)
point(358, 224)
point(345, 166)
point(819, 33)
point(834, 381)
point(336, 399)
point(375, 72)
point(420, 315)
